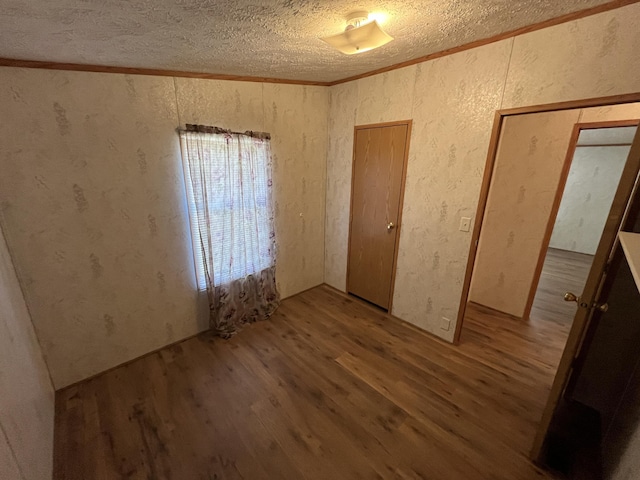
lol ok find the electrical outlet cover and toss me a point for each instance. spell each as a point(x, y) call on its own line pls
point(445, 324)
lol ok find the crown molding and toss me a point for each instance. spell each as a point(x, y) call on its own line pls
point(605, 7)
point(79, 67)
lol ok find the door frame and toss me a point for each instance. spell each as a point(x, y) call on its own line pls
point(626, 204)
point(405, 161)
point(496, 132)
point(553, 214)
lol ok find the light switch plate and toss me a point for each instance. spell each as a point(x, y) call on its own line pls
point(465, 224)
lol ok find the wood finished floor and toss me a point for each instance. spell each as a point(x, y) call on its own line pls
point(329, 388)
point(562, 272)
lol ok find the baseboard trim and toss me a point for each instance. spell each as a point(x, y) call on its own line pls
point(496, 311)
point(564, 250)
point(334, 289)
point(124, 364)
point(302, 291)
point(388, 315)
point(152, 352)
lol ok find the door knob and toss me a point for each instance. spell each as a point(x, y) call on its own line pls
point(571, 297)
point(603, 307)
point(390, 226)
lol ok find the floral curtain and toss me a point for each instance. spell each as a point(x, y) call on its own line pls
point(229, 185)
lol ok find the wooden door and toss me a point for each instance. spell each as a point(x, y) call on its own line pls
point(622, 216)
point(379, 165)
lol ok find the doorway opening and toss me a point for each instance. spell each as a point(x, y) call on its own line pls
point(533, 161)
point(524, 237)
point(595, 162)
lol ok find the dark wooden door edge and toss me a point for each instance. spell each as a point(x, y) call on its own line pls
point(626, 200)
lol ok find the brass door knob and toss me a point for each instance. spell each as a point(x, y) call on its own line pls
point(603, 307)
point(390, 226)
point(571, 297)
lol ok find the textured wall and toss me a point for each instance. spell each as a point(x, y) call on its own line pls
point(94, 213)
point(92, 181)
point(297, 120)
point(452, 125)
point(452, 101)
point(296, 117)
point(592, 57)
point(428, 93)
point(586, 201)
point(610, 113)
point(343, 108)
point(26, 393)
point(8, 464)
point(526, 176)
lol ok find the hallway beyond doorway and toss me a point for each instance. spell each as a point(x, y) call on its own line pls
point(563, 271)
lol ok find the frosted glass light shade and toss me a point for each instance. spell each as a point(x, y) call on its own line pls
point(359, 39)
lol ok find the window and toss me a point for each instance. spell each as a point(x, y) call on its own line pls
point(228, 191)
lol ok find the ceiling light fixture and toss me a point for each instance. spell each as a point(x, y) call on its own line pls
point(361, 35)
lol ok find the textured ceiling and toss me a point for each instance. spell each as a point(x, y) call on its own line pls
point(257, 38)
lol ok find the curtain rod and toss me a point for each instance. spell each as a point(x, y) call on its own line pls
point(190, 127)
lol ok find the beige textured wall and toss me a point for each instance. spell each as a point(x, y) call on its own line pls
point(526, 176)
point(26, 393)
point(452, 101)
point(92, 203)
point(591, 185)
point(592, 57)
point(8, 464)
point(91, 183)
point(296, 117)
point(343, 106)
point(611, 113)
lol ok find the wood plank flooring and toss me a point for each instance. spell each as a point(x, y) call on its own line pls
point(562, 272)
point(329, 388)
